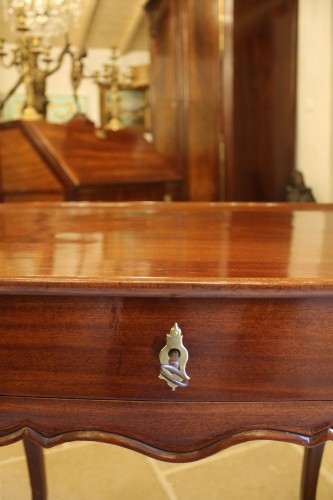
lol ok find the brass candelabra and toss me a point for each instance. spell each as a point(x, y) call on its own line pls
point(34, 65)
point(35, 22)
point(113, 81)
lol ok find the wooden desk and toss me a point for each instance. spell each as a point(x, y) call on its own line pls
point(41, 161)
point(89, 292)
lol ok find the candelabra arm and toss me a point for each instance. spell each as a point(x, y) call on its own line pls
point(12, 91)
point(11, 63)
point(77, 74)
point(64, 51)
point(7, 65)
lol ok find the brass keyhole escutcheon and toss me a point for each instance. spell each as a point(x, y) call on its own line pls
point(173, 359)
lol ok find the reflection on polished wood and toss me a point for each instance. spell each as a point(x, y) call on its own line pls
point(51, 162)
point(213, 246)
point(89, 291)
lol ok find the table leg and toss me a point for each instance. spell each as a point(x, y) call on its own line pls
point(36, 466)
point(310, 472)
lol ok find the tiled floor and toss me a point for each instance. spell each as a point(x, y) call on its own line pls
point(259, 470)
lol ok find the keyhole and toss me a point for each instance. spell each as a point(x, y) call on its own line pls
point(174, 356)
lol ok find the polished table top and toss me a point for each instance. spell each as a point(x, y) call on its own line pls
point(211, 247)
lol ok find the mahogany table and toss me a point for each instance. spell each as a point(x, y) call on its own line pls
point(88, 294)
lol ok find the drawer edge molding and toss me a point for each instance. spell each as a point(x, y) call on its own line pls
point(166, 288)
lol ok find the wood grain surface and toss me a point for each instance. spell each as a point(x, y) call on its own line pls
point(259, 101)
point(104, 347)
point(89, 292)
point(43, 161)
point(155, 248)
point(182, 432)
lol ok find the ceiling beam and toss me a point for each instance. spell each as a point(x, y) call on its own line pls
point(132, 27)
point(80, 36)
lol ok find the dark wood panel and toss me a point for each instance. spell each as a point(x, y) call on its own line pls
point(152, 191)
point(167, 75)
point(260, 98)
point(202, 35)
point(184, 89)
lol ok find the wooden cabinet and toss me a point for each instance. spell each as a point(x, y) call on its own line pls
point(240, 102)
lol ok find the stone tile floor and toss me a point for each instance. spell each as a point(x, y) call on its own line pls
point(261, 470)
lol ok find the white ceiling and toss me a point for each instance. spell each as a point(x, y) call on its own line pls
point(103, 24)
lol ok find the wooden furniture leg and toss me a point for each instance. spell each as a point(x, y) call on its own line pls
point(35, 460)
point(310, 472)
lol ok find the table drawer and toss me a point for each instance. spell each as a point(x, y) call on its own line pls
point(108, 347)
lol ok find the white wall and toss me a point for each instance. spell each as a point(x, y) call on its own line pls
point(59, 82)
point(314, 96)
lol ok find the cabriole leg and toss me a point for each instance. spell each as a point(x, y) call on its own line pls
point(310, 472)
point(36, 466)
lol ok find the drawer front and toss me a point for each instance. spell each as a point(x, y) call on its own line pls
point(108, 348)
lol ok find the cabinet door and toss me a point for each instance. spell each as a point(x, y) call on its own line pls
point(185, 89)
point(166, 82)
point(259, 97)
